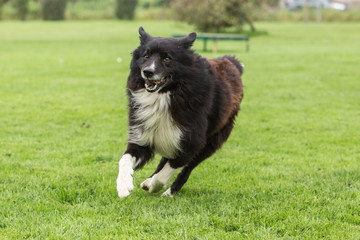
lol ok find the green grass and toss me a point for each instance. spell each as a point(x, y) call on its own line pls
point(290, 169)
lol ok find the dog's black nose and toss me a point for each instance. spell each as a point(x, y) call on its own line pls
point(148, 72)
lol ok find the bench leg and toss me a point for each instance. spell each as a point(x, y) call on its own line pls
point(204, 46)
point(215, 47)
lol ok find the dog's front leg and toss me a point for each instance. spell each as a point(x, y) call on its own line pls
point(124, 181)
point(134, 158)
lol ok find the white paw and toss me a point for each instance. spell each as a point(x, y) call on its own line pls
point(146, 184)
point(124, 181)
point(152, 184)
point(160, 179)
point(156, 185)
point(124, 185)
point(167, 193)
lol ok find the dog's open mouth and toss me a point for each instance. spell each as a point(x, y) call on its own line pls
point(154, 85)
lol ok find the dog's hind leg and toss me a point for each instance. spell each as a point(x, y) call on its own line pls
point(146, 184)
point(183, 176)
point(160, 178)
point(213, 144)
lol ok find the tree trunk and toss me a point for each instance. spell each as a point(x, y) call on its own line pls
point(249, 21)
point(1, 5)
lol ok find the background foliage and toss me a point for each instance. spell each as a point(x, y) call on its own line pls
point(53, 9)
point(22, 8)
point(125, 9)
point(212, 15)
point(258, 10)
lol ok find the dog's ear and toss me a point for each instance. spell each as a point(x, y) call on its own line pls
point(188, 41)
point(144, 36)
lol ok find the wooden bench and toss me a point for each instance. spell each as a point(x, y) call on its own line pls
point(215, 37)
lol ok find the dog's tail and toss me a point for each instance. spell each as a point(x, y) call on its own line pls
point(239, 65)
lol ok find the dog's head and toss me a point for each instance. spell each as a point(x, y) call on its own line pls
point(160, 59)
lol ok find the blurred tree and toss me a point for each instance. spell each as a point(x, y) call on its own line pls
point(214, 15)
point(125, 9)
point(22, 8)
point(261, 3)
point(53, 9)
point(1, 5)
point(164, 3)
point(238, 11)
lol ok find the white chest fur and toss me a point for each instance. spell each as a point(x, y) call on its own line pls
point(156, 127)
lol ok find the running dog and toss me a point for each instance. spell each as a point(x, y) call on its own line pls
point(181, 106)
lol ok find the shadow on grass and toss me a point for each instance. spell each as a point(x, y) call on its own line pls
point(259, 33)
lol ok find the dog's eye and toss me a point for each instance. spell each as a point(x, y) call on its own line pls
point(146, 57)
point(166, 59)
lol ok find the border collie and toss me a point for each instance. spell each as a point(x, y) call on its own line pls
point(181, 106)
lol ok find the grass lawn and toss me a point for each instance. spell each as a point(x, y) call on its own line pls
point(290, 169)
